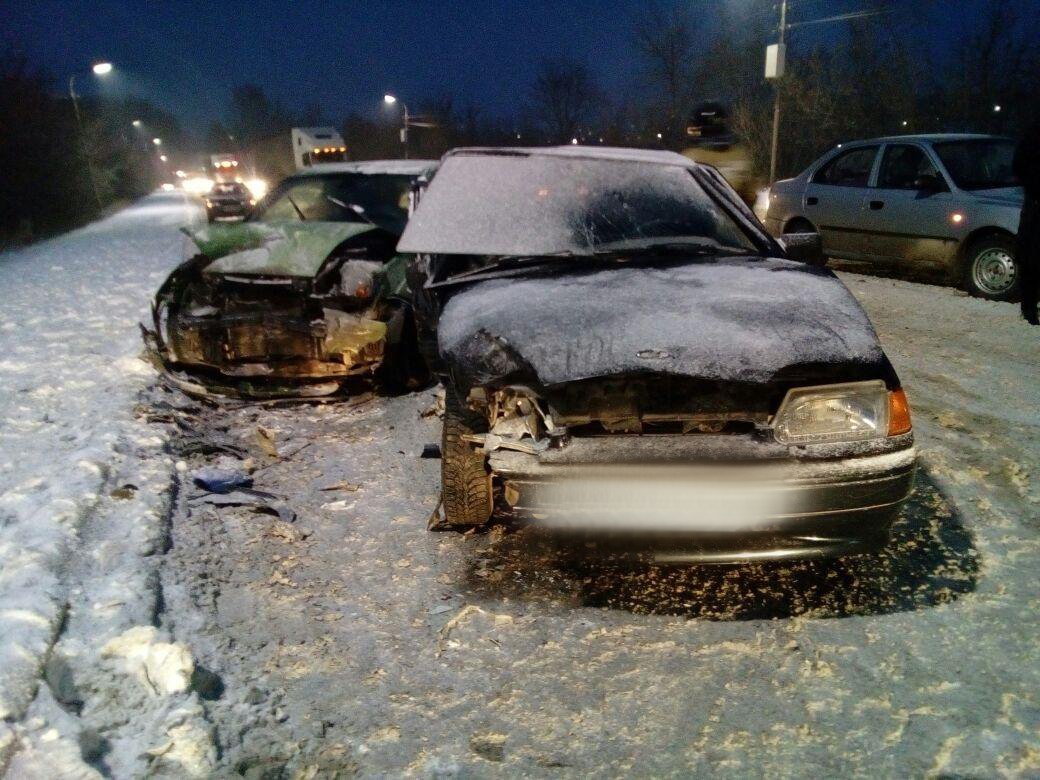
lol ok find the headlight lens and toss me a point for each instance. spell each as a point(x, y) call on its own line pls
point(849, 412)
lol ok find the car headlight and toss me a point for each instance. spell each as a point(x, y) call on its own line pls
point(856, 411)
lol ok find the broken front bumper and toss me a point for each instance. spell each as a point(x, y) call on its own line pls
point(257, 346)
point(710, 512)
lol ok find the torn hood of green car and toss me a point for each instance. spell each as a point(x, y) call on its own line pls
point(272, 248)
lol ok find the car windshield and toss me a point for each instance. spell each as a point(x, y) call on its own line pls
point(496, 205)
point(979, 164)
point(342, 197)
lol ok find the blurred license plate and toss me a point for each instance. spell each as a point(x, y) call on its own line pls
point(658, 504)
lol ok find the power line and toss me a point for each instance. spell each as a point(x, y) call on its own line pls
point(840, 17)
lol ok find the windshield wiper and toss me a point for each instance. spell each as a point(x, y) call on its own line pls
point(509, 263)
point(298, 212)
point(351, 207)
point(671, 245)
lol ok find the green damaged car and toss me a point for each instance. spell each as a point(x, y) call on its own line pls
point(303, 297)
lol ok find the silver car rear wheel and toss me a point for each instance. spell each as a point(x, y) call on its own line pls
point(992, 272)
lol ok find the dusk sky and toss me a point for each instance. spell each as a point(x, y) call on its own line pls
point(186, 55)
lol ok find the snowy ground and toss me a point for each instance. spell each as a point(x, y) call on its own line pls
point(85, 487)
point(201, 639)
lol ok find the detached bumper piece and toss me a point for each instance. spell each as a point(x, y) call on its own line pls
point(710, 512)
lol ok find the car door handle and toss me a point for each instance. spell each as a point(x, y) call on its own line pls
point(811, 201)
point(877, 205)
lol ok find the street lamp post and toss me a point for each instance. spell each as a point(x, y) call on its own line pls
point(776, 100)
point(99, 69)
point(391, 100)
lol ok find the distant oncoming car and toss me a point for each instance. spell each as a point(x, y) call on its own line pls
point(302, 296)
point(947, 203)
point(627, 353)
point(228, 200)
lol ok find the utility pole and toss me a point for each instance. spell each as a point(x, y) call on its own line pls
point(779, 71)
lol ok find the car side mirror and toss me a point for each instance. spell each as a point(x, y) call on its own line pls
point(804, 247)
point(929, 182)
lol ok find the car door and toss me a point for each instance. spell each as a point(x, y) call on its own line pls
point(834, 200)
point(909, 207)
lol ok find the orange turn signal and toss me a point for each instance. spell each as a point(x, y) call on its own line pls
point(898, 413)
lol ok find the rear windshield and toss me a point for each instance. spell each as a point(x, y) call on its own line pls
point(520, 204)
point(979, 164)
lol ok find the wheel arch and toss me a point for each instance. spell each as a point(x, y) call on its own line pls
point(796, 219)
point(975, 235)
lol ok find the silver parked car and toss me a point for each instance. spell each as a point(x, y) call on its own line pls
point(946, 203)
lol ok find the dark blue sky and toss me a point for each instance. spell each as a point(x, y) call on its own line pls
point(185, 55)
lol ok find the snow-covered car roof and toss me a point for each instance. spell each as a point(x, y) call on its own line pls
point(575, 151)
point(373, 167)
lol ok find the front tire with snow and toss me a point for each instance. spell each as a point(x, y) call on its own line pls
point(465, 477)
point(990, 270)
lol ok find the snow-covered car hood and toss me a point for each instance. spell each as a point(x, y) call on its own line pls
point(729, 320)
point(270, 248)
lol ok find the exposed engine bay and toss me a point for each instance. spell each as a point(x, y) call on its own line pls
point(260, 331)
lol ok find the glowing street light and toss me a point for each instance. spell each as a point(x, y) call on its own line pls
point(157, 141)
point(392, 100)
point(136, 123)
point(996, 108)
point(102, 68)
point(163, 157)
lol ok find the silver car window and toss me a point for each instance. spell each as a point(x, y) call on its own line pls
point(902, 165)
point(848, 169)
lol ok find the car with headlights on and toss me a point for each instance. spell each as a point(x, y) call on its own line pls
point(228, 200)
point(941, 203)
point(628, 354)
point(303, 297)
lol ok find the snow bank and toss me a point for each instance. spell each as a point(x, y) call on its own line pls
point(84, 490)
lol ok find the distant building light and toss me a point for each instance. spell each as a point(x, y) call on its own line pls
point(157, 141)
point(905, 123)
point(574, 140)
point(163, 157)
point(136, 123)
point(660, 136)
point(956, 218)
point(996, 108)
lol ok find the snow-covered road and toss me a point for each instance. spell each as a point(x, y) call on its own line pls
point(355, 640)
point(83, 484)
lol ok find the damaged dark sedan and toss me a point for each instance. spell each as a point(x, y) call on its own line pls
point(627, 352)
point(304, 296)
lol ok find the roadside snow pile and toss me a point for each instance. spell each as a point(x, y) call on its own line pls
point(84, 500)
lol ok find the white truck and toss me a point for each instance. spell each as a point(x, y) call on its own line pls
point(314, 145)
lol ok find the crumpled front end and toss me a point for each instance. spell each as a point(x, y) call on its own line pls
point(263, 334)
point(285, 344)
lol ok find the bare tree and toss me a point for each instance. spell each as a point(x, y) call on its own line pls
point(565, 98)
point(667, 42)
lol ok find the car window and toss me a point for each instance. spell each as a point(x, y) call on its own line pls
point(308, 197)
point(903, 165)
point(979, 163)
point(533, 204)
point(344, 197)
point(848, 169)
